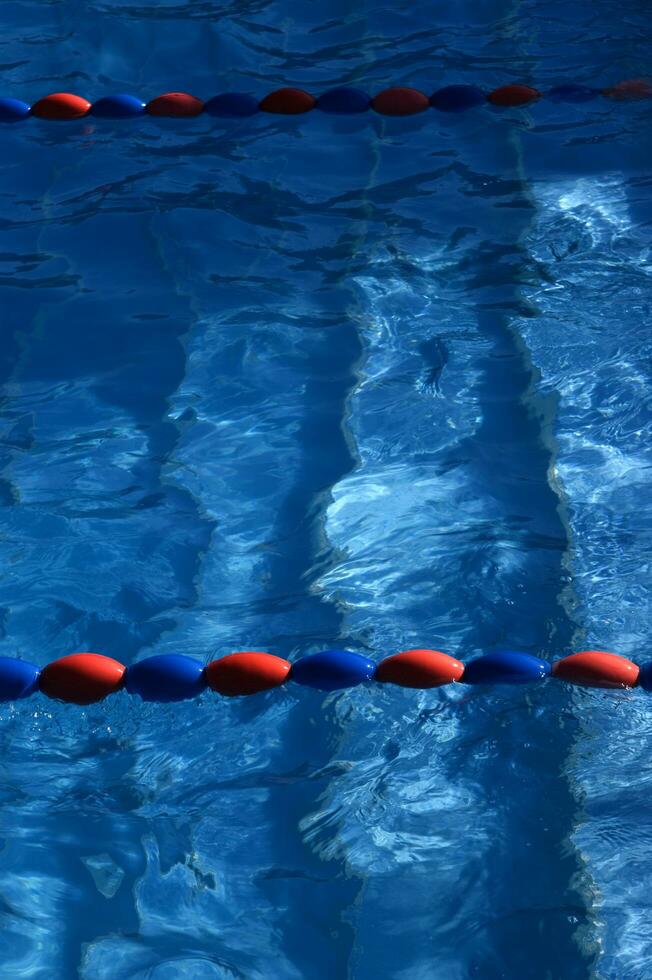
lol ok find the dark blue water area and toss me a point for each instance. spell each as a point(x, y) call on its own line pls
point(297, 383)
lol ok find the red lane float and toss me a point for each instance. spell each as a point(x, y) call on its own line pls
point(247, 673)
point(631, 90)
point(513, 95)
point(288, 101)
point(61, 105)
point(175, 105)
point(595, 668)
point(400, 101)
point(419, 668)
point(82, 678)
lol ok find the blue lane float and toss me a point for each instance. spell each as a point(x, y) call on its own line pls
point(457, 98)
point(573, 93)
point(18, 679)
point(645, 677)
point(13, 110)
point(332, 670)
point(232, 105)
point(166, 677)
point(121, 106)
point(344, 101)
point(506, 667)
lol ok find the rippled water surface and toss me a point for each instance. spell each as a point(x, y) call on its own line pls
point(287, 384)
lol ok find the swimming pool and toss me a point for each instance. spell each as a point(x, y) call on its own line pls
point(287, 384)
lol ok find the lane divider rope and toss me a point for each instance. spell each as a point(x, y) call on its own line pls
point(344, 100)
point(84, 678)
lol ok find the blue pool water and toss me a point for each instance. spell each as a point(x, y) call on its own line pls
point(288, 384)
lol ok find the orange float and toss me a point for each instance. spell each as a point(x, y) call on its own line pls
point(288, 101)
point(419, 668)
point(513, 95)
point(595, 668)
point(175, 105)
point(246, 673)
point(631, 90)
point(61, 106)
point(400, 101)
point(82, 678)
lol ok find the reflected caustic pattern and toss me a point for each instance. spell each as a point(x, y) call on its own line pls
point(306, 383)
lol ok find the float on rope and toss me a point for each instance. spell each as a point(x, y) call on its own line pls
point(396, 100)
point(84, 678)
